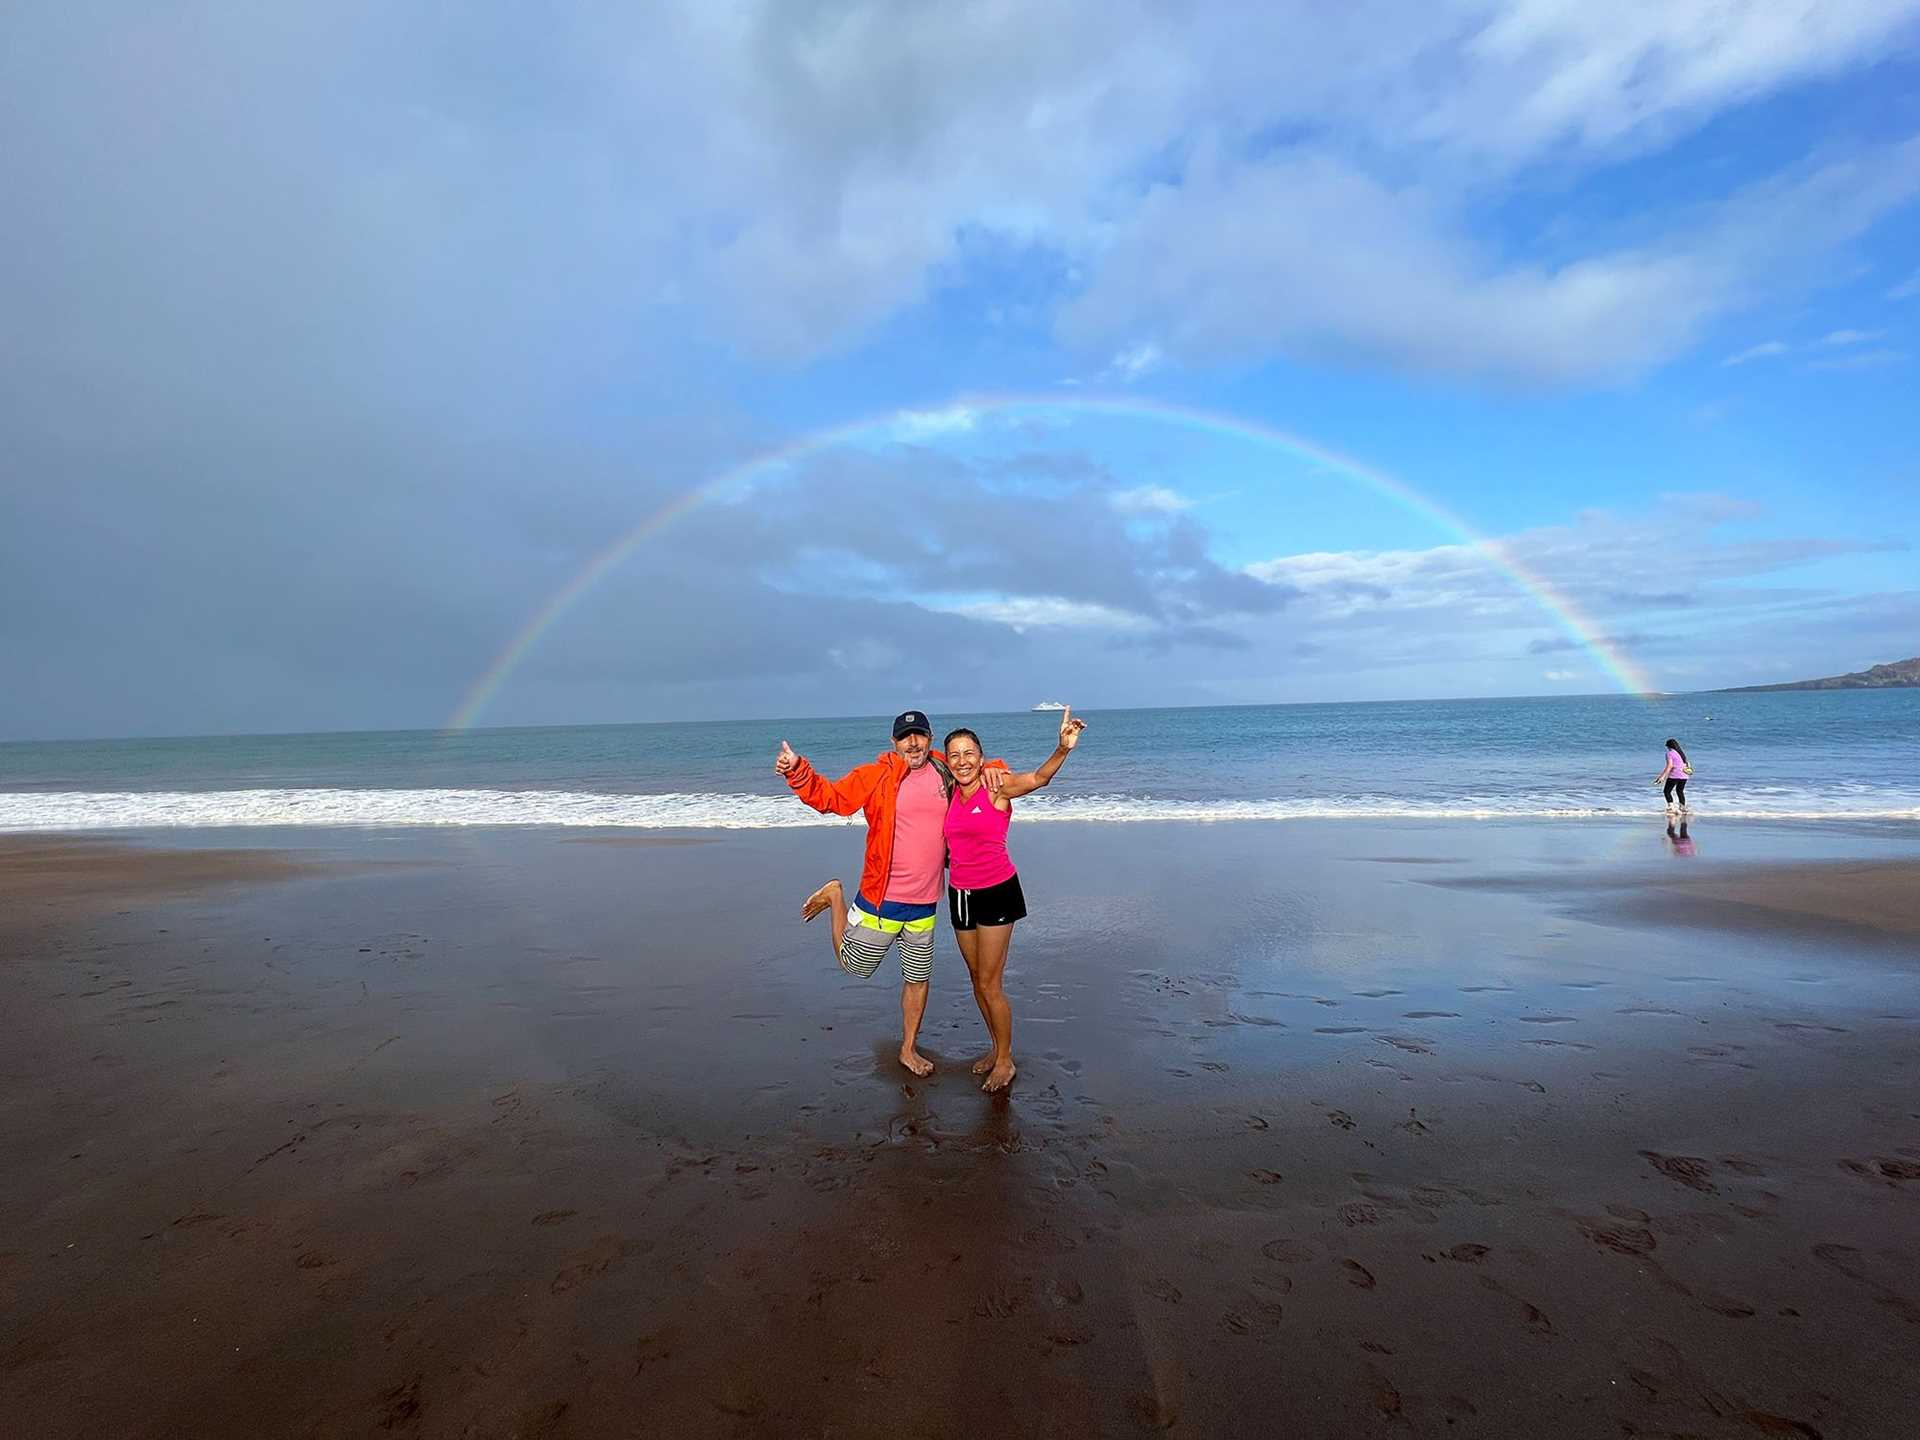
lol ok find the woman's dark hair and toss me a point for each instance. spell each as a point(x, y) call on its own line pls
point(1672, 744)
point(953, 735)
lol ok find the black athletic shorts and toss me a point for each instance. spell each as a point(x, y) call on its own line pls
point(1000, 904)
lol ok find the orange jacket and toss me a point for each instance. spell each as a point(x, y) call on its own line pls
point(875, 789)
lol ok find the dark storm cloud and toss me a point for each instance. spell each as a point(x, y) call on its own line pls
point(941, 525)
point(1165, 642)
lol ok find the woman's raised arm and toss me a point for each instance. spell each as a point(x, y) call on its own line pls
point(1005, 785)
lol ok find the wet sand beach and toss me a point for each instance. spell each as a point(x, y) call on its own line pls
point(1320, 1130)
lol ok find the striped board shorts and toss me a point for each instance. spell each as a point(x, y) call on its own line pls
point(869, 934)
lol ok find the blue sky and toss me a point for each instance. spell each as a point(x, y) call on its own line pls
point(342, 338)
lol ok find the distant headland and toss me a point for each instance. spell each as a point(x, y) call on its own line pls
point(1900, 673)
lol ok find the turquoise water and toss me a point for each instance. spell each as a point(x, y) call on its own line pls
point(1835, 754)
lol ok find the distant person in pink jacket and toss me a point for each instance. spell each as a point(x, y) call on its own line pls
point(1675, 776)
point(984, 899)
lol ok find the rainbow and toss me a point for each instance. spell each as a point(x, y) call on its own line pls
point(964, 414)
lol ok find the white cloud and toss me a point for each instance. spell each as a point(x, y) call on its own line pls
point(1132, 363)
point(1615, 568)
point(1563, 71)
point(1150, 500)
point(1838, 338)
point(1907, 289)
point(1033, 612)
point(1307, 255)
point(917, 425)
point(1558, 675)
point(1861, 360)
point(828, 162)
point(783, 178)
point(1764, 351)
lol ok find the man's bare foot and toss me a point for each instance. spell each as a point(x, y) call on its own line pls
point(999, 1077)
point(916, 1062)
point(983, 1064)
point(819, 900)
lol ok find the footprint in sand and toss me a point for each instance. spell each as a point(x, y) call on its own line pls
point(1431, 1015)
point(1547, 1020)
point(1163, 1290)
point(653, 1347)
point(1340, 1118)
point(1063, 1290)
point(1340, 1030)
point(999, 1305)
point(1412, 1045)
point(1354, 1213)
point(1358, 1274)
point(1375, 994)
point(1621, 1239)
point(1852, 1264)
point(554, 1217)
point(1286, 1252)
point(400, 1405)
point(1883, 1172)
point(1688, 1170)
point(1467, 1253)
point(603, 1255)
point(1265, 1177)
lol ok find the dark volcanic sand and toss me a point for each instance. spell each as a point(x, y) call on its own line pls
point(551, 1139)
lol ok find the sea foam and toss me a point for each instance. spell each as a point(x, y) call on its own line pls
point(381, 808)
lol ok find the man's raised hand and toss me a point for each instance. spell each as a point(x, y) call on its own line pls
point(1070, 729)
point(786, 759)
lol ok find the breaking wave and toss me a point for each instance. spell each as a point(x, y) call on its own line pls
point(379, 808)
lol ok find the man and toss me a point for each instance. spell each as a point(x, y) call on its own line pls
point(904, 794)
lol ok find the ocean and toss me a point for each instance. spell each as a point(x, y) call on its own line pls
point(1834, 755)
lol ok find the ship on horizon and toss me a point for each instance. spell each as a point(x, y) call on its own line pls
point(1050, 705)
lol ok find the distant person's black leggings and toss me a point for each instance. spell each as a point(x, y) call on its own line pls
point(1677, 787)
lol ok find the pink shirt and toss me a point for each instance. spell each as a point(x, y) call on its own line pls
point(919, 847)
point(977, 841)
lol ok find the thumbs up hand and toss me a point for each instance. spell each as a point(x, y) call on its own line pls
point(786, 759)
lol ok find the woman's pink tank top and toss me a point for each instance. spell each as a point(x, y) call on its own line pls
point(977, 841)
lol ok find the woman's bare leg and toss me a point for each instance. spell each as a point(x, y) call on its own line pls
point(832, 898)
point(990, 948)
point(969, 941)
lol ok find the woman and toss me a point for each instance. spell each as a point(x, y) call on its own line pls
point(1675, 775)
point(983, 891)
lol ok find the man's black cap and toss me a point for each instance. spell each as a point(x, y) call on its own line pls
point(911, 722)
